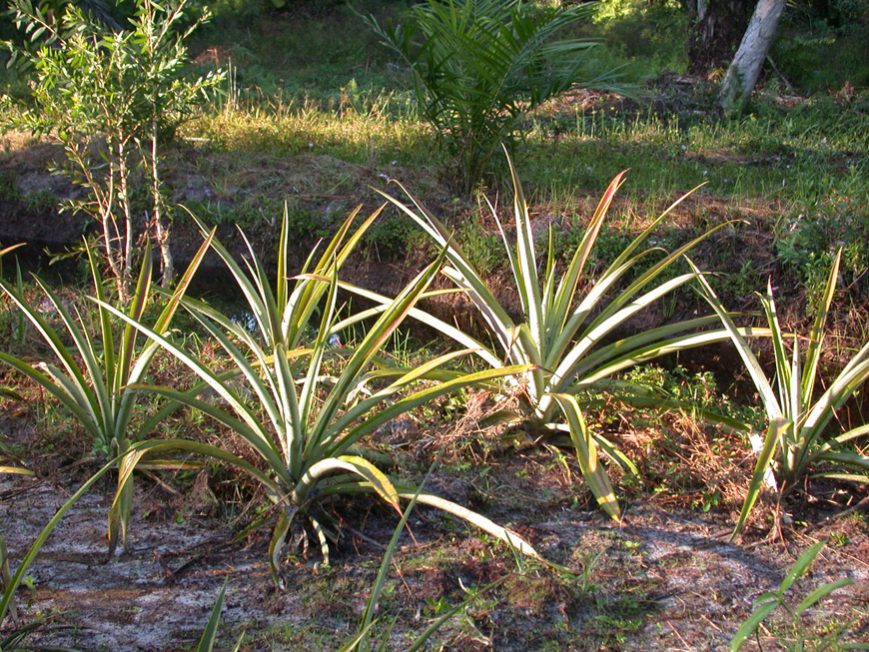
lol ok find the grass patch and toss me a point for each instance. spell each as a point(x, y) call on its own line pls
point(366, 136)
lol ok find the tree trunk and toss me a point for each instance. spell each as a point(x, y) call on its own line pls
point(167, 263)
point(124, 201)
point(718, 26)
point(745, 68)
point(161, 232)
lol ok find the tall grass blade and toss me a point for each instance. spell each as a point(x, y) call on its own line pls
point(373, 601)
point(816, 336)
point(774, 434)
point(209, 634)
point(586, 455)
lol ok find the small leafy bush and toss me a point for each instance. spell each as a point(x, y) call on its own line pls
point(111, 96)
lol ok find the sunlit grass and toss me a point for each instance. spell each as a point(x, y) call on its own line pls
point(780, 158)
point(792, 160)
point(796, 175)
point(367, 136)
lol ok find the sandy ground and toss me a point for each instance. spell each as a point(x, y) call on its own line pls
point(669, 576)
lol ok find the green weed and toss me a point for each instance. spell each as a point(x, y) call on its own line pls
point(798, 638)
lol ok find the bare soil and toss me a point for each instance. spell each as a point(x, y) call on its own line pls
point(663, 579)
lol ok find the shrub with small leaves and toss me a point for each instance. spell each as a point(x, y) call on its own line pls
point(110, 96)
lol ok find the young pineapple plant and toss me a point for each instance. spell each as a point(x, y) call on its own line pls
point(303, 405)
point(796, 444)
point(563, 334)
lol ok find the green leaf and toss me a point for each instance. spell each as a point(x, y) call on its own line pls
point(509, 537)
point(773, 409)
point(406, 403)
point(816, 336)
point(586, 455)
point(751, 624)
point(119, 512)
point(276, 543)
point(209, 634)
point(800, 566)
point(377, 480)
point(820, 593)
point(16, 470)
point(569, 283)
point(764, 460)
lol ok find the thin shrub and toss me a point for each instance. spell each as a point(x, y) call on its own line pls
point(111, 96)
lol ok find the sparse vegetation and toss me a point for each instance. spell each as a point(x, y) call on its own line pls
point(798, 638)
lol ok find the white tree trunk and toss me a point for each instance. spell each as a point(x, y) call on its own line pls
point(745, 68)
